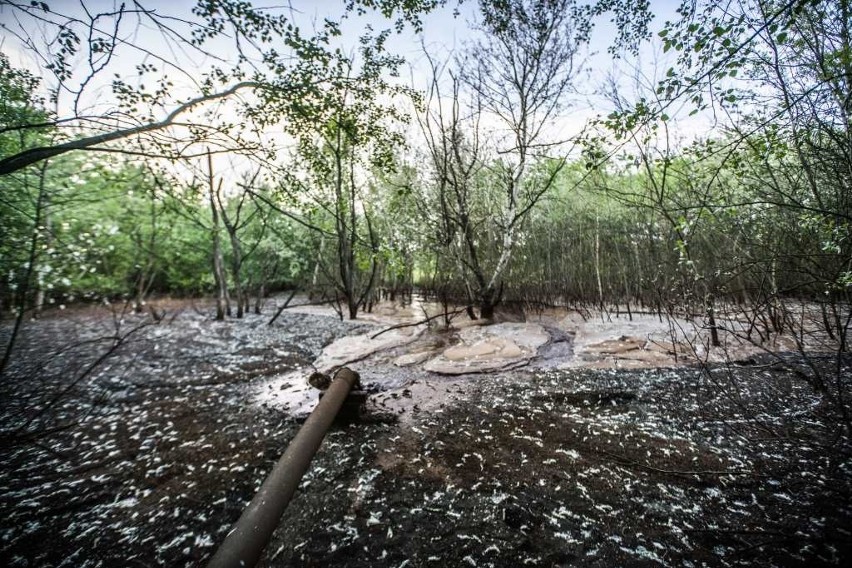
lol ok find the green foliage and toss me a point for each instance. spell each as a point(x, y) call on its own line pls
point(768, 200)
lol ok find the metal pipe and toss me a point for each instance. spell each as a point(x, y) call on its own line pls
point(245, 543)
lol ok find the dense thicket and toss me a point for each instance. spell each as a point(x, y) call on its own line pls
point(482, 203)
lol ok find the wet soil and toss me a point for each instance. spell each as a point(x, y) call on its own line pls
point(150, 457)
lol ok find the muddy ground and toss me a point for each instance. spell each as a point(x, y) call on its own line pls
point(147, 457)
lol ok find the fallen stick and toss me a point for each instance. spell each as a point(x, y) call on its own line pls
point(282, 308)
point(412, 324)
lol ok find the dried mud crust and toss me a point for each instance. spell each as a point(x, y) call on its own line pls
point(581, 468)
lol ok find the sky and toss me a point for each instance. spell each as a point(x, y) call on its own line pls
point(444, 34)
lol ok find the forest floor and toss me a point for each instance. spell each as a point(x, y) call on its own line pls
point(555, 441)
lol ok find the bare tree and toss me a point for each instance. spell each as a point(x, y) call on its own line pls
point(446, 200)
point(341, 200)
point(519, 75)
point(235, 222)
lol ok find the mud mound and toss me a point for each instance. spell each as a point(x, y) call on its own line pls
point(488, 348)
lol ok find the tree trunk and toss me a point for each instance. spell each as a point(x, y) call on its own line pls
point(48, 237)
point(486, 304)
point(222, 301)
point(261, 292)
point(711, 320)
point(598, 263)
point(236, 269)
point(149, 272)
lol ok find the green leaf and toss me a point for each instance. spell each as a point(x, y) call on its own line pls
point(782, 37)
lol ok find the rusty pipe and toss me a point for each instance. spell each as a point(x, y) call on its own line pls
point(244, 545)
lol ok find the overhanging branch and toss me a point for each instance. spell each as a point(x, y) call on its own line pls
point(31, 156)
